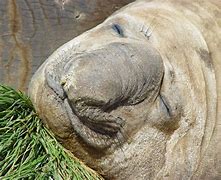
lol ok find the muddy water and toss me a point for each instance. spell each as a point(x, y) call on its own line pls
point(30, 30)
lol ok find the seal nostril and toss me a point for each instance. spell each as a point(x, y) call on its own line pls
point(55, 86)
point(63, 83)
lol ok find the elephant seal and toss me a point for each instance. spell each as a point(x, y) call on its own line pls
point(138, 96)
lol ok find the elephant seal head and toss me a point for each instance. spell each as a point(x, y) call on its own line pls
point(128, 97)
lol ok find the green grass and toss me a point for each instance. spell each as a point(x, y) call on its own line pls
point(28, 150)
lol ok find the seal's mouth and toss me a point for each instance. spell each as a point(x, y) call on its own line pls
point(93, 84)
point(96, 134)
point(96, 127)
point(90, 119)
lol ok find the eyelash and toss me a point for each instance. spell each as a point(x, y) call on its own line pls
point(117, 28)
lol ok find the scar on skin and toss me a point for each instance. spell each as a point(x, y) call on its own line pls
point(62, 2)
point(206, 57)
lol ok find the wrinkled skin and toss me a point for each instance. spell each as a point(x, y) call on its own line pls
point(30, 30)
point(138, 96)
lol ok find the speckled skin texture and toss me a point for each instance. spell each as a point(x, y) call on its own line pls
point(138, 96)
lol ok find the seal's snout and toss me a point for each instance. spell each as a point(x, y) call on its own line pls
point(116, 73)
point(95, 84)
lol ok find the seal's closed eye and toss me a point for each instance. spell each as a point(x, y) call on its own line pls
point(117, 28)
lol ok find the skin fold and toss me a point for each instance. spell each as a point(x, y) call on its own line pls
point(138, 96)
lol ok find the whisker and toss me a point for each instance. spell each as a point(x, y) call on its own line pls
point(120, 143)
